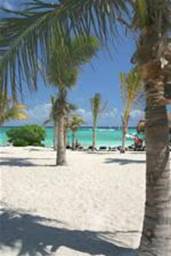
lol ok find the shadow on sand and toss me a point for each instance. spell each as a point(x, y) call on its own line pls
point(40, 239)
point(123, 161)
point(7, 161)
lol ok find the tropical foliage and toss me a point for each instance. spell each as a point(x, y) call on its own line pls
point(75, 122)
point(53, 116)
point(97, 108)
point(131, 90)
point(11, 111)
point(38, 24)
point(28, 135)
point(62, 71)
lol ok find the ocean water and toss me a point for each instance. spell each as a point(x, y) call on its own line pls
point(105, 136)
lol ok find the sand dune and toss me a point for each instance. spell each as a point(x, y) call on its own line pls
point(93, 206)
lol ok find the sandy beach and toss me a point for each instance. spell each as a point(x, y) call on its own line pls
point(92, 206)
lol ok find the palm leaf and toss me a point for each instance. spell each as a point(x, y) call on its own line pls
point(75, 122)
point(26, 36)
point(131, 90)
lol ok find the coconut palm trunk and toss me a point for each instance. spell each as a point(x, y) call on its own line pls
point(94, 137)
point(65, 137)
point(73, 140)
point(61, 148)
point(156, 237)
point(55, 131)
point(124, 132)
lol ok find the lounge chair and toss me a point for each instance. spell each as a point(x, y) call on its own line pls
point(102, 148)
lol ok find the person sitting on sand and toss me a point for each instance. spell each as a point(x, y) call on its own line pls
point(138, 142)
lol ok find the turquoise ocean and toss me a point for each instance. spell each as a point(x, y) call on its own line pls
point(105, 136)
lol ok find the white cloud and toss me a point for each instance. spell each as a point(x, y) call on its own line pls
point(81, 111)
point(39, 113)
point(106, 118)
point(137, 114)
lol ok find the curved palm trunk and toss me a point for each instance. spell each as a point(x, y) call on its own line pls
point(61, 148)
point(156, 237)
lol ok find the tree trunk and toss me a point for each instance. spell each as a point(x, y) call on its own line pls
point(124, 132)
point(61, 147)
point(94, 138)
point(73, 140)
point(55, 132)
point(156, 237)
point(65, 137)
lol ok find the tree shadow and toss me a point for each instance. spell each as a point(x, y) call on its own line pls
point(124, 161)
point(43, 239)
point(19, 162)
point(99, 152)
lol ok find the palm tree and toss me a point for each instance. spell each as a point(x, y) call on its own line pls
point(96, 109)
point(38, 24)
point(153, 56)
point(75, 123)
point(62, 71)
point(131, 87)
point(69, 108)
point(11, 111)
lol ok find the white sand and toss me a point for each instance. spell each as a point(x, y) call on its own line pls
point(85, 208)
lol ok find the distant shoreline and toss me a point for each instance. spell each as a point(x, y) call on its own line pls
point(106, 136)
point(82, 127)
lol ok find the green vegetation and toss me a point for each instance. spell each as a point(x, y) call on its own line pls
point(53, 117)
point(62, 72)
point(96, 109)
point(28, 135)
point(74, 124)
point(131, 89)
point(10, 110)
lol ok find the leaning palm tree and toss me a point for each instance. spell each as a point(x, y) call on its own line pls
point(74, 124)
point(62, 71)
point(41, 21)
point(11, 111)
point(131, 88)
point(96, 109)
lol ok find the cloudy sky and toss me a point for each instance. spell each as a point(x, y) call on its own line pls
point(101, 75)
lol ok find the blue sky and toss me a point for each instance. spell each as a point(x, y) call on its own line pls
point(101, 75)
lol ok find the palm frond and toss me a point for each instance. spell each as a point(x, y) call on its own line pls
point(26, 36)
point(75, 122)
point(97, 107)
point(10, 111)
point(131, 90)
point(64, 63)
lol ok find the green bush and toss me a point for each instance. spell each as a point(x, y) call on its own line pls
point(28, 135)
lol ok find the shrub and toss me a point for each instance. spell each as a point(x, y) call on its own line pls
point(28, 135)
